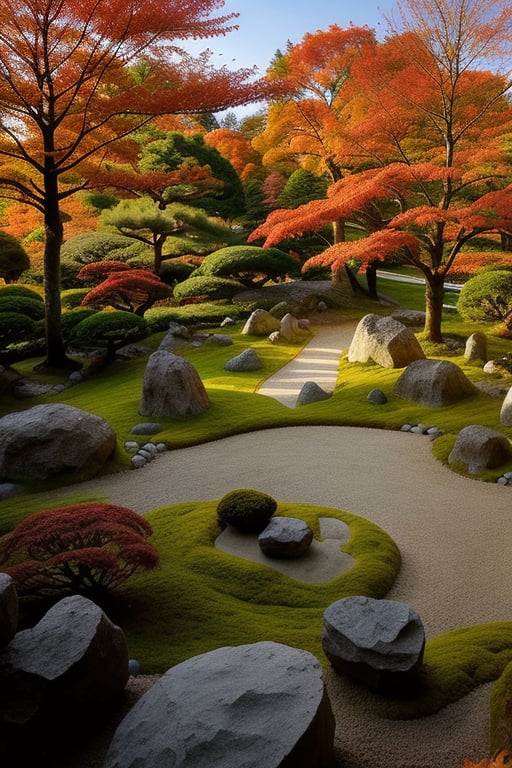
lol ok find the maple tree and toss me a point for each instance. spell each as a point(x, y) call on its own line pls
point(81, 548)
point(77, 77)
point(238, 150)
point(433, 132)
point(134, 290)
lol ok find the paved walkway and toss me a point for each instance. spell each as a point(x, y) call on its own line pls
point(318, 362)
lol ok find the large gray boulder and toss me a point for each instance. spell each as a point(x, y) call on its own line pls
point(480, 448)
point(172, 388)
point(384, 340)
point(286, 537)
point(434, 383)
point(247, 360)
point(378, 642)
point(8, 609)
point(261, 323)
point(258, 706)
point(47, 440)
point(69, 665)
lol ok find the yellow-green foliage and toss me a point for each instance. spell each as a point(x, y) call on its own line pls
point(455, 664)
point(202, 598)
point(500, 730)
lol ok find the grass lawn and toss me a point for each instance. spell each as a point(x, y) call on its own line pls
point(200, 598)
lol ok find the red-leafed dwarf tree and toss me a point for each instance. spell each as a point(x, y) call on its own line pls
point(98, 271)
point(84, 548)
point(75, 78)
point(133, 290)
point(435, 125)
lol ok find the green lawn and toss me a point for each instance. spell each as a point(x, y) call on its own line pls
point(201, 598)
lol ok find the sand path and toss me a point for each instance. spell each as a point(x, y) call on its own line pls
point(453, 533)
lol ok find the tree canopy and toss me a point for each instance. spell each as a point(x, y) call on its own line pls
point(77, 77)
point(431, 137)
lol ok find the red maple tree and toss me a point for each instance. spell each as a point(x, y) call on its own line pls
point(77, 77)
point(431, 125)
point(81, 548)
point(132, 290)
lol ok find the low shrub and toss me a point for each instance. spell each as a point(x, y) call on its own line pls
point(110, 330)
point(32, 308)
point(15, 327)
point(70, 320)
point(246, 509)
point(206, 288)
point(73, 297)
point(21, 291)
point(487, 297)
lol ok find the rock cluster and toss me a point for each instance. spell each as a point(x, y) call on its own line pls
point(53, 677)
point(255, 705)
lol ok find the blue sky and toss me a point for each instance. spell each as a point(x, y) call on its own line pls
point(266, 25)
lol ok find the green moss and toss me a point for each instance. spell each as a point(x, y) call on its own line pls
point(202, 598)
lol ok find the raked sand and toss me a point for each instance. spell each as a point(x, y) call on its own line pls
point(454, 535)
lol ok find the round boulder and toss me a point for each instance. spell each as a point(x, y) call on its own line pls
point(434, 383)
point(480, 448)
point(49, 440)
point(285, 537)
point(253, 705)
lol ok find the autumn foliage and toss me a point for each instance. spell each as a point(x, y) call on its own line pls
point(134, 290)
point(82, 548)
point(501, 760)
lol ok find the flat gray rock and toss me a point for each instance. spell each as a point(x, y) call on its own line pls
point(258, 706)
point(379, 642)
point(285, 537)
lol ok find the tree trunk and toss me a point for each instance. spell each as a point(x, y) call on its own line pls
point(55, 354)
point(338, 231)
point(434, 296)
point(371, 280)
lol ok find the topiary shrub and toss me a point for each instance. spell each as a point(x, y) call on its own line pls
point(110, 330)
point(208, 288)
point(20, 291)
point(73, 297)
point(22, 305)
point(15, 327)
point(246, 509)
point(487, 297)
point(174, 271)
point(70, 320)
